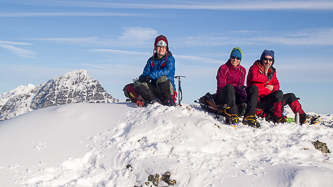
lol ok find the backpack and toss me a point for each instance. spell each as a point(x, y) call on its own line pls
point(207, 103)
point(130, 93)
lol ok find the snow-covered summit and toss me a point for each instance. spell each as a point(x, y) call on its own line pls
point(17, 91)
point(72, 87)
point(120, 145)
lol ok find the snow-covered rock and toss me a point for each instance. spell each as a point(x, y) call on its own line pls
point(72, 87)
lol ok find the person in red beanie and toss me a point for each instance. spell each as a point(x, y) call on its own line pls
point(156, 83)
point(263, 75)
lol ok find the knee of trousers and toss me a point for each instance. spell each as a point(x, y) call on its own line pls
point(279, 96)
point(253, 89)
point(292, 97)
point(161, 79)
point(138, 83)
point(229, 87)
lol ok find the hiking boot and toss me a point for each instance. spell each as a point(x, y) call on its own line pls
point(251, 121)
point(140, 102)
point(281, 119)
point(169, 103)
point(155, 101)
point(221, 109)
point(312, 120)
point(232, 119)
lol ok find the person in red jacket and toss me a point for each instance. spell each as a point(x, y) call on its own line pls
point(232, 93)
point(263, 75)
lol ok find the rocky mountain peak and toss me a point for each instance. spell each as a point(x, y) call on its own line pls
point(72, 87)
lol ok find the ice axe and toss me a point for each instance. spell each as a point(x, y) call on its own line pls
point(180, 93)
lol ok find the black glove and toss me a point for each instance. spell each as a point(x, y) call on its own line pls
point(144, 78)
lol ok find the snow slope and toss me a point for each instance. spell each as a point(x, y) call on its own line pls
point(119, 144)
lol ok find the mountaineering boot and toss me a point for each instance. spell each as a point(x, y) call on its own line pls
point(140, 102)
point(146, 95)
point(155, 101)
point(251, 121)
point(281, 119)
point(232, 119)
point(312, 120)
point(169, 102)
point(167, 99)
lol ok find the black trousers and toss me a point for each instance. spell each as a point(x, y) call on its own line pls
point(266, 103)
point(227, 95)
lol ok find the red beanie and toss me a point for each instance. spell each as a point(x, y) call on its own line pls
point(159, 38)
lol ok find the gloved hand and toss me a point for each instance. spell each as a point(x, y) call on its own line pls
point(241, 90)
point(144, 78)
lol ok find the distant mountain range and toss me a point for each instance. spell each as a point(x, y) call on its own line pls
point(72, 87)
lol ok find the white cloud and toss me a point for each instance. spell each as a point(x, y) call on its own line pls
point(120, 52)
point(130, 37)
point(200, 59)
point(184, 57)
point(138, 34)
point(13, 43)
point(318, 37)
point(85, 41)
point(53, 14)
point(239, 5)
point(20, 52)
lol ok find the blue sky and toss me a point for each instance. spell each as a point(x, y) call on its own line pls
point(112, 40)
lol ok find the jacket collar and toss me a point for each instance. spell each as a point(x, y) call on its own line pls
point(228, 63)
point(168, 53)
point(261, 67)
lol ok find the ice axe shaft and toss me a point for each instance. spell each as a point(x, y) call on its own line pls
point(180, 95)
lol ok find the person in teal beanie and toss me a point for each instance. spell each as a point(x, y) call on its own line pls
point(232, 93)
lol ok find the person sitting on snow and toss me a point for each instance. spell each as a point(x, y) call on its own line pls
point(263, 75)
point(156, 83)
point(232, 92)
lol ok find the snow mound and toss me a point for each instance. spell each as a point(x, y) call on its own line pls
point(121, 145)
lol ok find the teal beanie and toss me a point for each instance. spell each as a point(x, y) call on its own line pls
point(237, 52)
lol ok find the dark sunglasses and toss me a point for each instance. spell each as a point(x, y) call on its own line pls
point(233, 57)
point(268, 59)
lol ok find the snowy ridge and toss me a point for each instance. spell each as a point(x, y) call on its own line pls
point(72, 87)
point(121, 145)
point(21, 90)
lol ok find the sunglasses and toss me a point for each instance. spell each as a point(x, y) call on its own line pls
point(268, 59)
point(233, 57)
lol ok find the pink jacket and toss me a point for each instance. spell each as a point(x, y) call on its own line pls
point(227, 74)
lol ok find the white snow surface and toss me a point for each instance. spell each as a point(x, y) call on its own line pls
point(118, 144)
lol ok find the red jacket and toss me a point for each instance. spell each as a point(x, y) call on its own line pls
point(228, 74)
point(257, 77)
